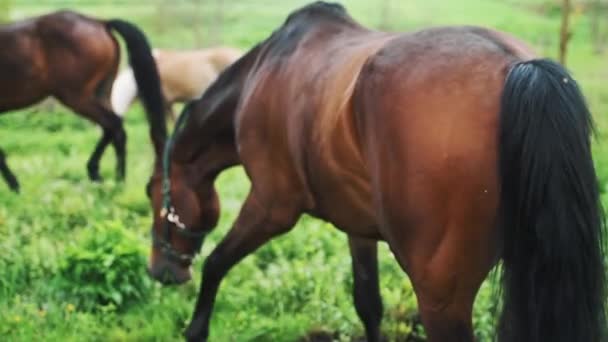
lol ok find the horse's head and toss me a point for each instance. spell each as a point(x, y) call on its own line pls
point(185, 204)
point(184, 212)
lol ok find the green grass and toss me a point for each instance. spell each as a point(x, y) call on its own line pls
point(296, 284)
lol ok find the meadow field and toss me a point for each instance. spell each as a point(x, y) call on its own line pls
point(73, 253)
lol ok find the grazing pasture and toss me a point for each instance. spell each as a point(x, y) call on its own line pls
point(72, 265)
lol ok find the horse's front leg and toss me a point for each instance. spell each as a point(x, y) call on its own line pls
point(254, 226)
point(366, 290)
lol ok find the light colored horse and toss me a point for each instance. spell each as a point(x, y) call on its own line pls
point(184, 75)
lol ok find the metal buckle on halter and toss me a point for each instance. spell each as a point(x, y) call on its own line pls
point(174, 218)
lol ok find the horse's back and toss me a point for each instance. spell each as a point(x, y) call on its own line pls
point(63, 51)
point(78, 48)
point(22, 65)
point(222, 56)
point(186, 74)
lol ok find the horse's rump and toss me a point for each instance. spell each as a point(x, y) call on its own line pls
point(44, 56)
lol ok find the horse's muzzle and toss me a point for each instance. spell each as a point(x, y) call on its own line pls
point(167, 272)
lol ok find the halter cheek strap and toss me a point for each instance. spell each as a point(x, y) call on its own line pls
point(168, 212)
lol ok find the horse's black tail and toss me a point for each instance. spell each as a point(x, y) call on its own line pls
point(146, 77)
point(553, 271)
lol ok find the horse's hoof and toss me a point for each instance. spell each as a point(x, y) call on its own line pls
point(95, 177)
point(193, 336)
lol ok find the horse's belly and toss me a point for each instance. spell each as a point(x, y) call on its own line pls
point(20, 89)
point(343, 197)
point(22, 80)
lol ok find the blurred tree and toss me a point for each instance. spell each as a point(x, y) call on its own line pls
point(5, 10)
point(564, 35)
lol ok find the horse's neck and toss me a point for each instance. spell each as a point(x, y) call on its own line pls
point(212, 117)
point(215, 159)
point(209, 128)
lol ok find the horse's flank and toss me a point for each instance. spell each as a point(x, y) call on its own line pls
point(185, 74)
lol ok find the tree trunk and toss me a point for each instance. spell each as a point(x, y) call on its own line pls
point(564, 35)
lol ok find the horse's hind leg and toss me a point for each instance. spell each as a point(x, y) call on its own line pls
point(366, 291)
point(447, 264)
point(7, 174)
point(113, 132)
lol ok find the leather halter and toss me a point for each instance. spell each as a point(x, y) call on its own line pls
point(168, 212)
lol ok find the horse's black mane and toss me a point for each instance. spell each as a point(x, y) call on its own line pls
point(282, 42)
point(285, 39)
point(318, 9)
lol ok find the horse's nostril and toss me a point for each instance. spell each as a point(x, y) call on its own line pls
point(162, 274)
point(168, 277)
point(168, 274)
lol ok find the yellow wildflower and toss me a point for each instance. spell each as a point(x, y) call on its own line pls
point(70, 307)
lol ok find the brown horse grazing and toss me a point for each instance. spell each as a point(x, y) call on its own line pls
point(75, 59)
point(450, 144)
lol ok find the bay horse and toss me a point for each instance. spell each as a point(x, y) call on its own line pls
point(454, 145)
point(184, 75)
point(74, 59)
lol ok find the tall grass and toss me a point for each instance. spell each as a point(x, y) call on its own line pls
point(296, 284)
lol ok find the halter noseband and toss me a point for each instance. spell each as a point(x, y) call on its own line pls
point(168, 210)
